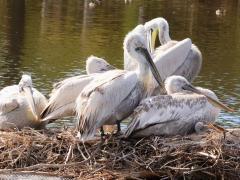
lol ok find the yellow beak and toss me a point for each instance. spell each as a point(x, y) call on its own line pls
point(153, 39)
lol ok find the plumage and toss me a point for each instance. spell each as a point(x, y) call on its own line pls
point(176, 113)
point(62, 99)
point(16, 103)
point(113, 95)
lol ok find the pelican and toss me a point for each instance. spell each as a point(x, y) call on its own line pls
point(64, 94)
point(21, 105)
point(114, 95)
point(191, 62)
point(183, 110)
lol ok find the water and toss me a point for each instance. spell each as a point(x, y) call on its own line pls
point(51, 39)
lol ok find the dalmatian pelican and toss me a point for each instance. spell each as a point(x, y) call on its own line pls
point(21, 105)
point(190, 62)
point(183, 110)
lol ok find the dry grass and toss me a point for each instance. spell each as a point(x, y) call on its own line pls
point(59, 152)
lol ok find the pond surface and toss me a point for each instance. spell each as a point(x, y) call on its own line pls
point(51, 39)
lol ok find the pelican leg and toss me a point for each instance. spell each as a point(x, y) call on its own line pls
point(102, 131)
point(118, 127)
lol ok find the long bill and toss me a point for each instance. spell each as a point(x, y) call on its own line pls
point(214, 102)
point(152, 66)
point(30, 100)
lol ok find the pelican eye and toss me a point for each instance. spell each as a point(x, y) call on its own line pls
point(138, 48)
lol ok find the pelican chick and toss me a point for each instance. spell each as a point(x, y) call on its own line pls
point(184, 110)
point(113, 95)
point(21, 105)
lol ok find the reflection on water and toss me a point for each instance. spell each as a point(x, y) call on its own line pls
point(51, 39)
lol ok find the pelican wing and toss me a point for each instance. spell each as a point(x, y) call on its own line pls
point(40, 101)
point(59, 84)
point(62, 100)
point(8, 106)
point(100, 99)
point(170, 60)
point(8, 99)
point(167, 115)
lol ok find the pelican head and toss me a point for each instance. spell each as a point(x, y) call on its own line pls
point(133, 41)
point(25, 87)
point(175, 84)
point(97, 65)
point(135, 45)
point(157, 27)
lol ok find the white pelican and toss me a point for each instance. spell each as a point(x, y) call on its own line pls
point(114, 95)
point(182, 111)
point(189, 67)
point(97, 65)
point(21, 105)
point(64, 94)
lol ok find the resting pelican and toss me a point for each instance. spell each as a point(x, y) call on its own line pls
point(64, 94)
point(21, 105)
point(182, 111)
point(192, 61)
point(114, 95)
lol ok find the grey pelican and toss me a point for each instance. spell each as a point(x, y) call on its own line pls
point(114, 95)
point(21, 105)
point(64, 94)
point(182, 111)
point(189, 67)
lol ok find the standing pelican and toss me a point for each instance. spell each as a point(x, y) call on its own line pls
point(21, 105)
point(182, 111)
point(64, 94)
point(191, 65)
point(114, 95)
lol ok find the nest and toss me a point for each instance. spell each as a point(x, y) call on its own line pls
point(58, 152)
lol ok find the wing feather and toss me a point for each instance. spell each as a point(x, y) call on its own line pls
point(62, 100)
point(171, 58)
point(8, 99)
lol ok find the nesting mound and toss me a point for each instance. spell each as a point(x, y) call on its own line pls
point(58, 152)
